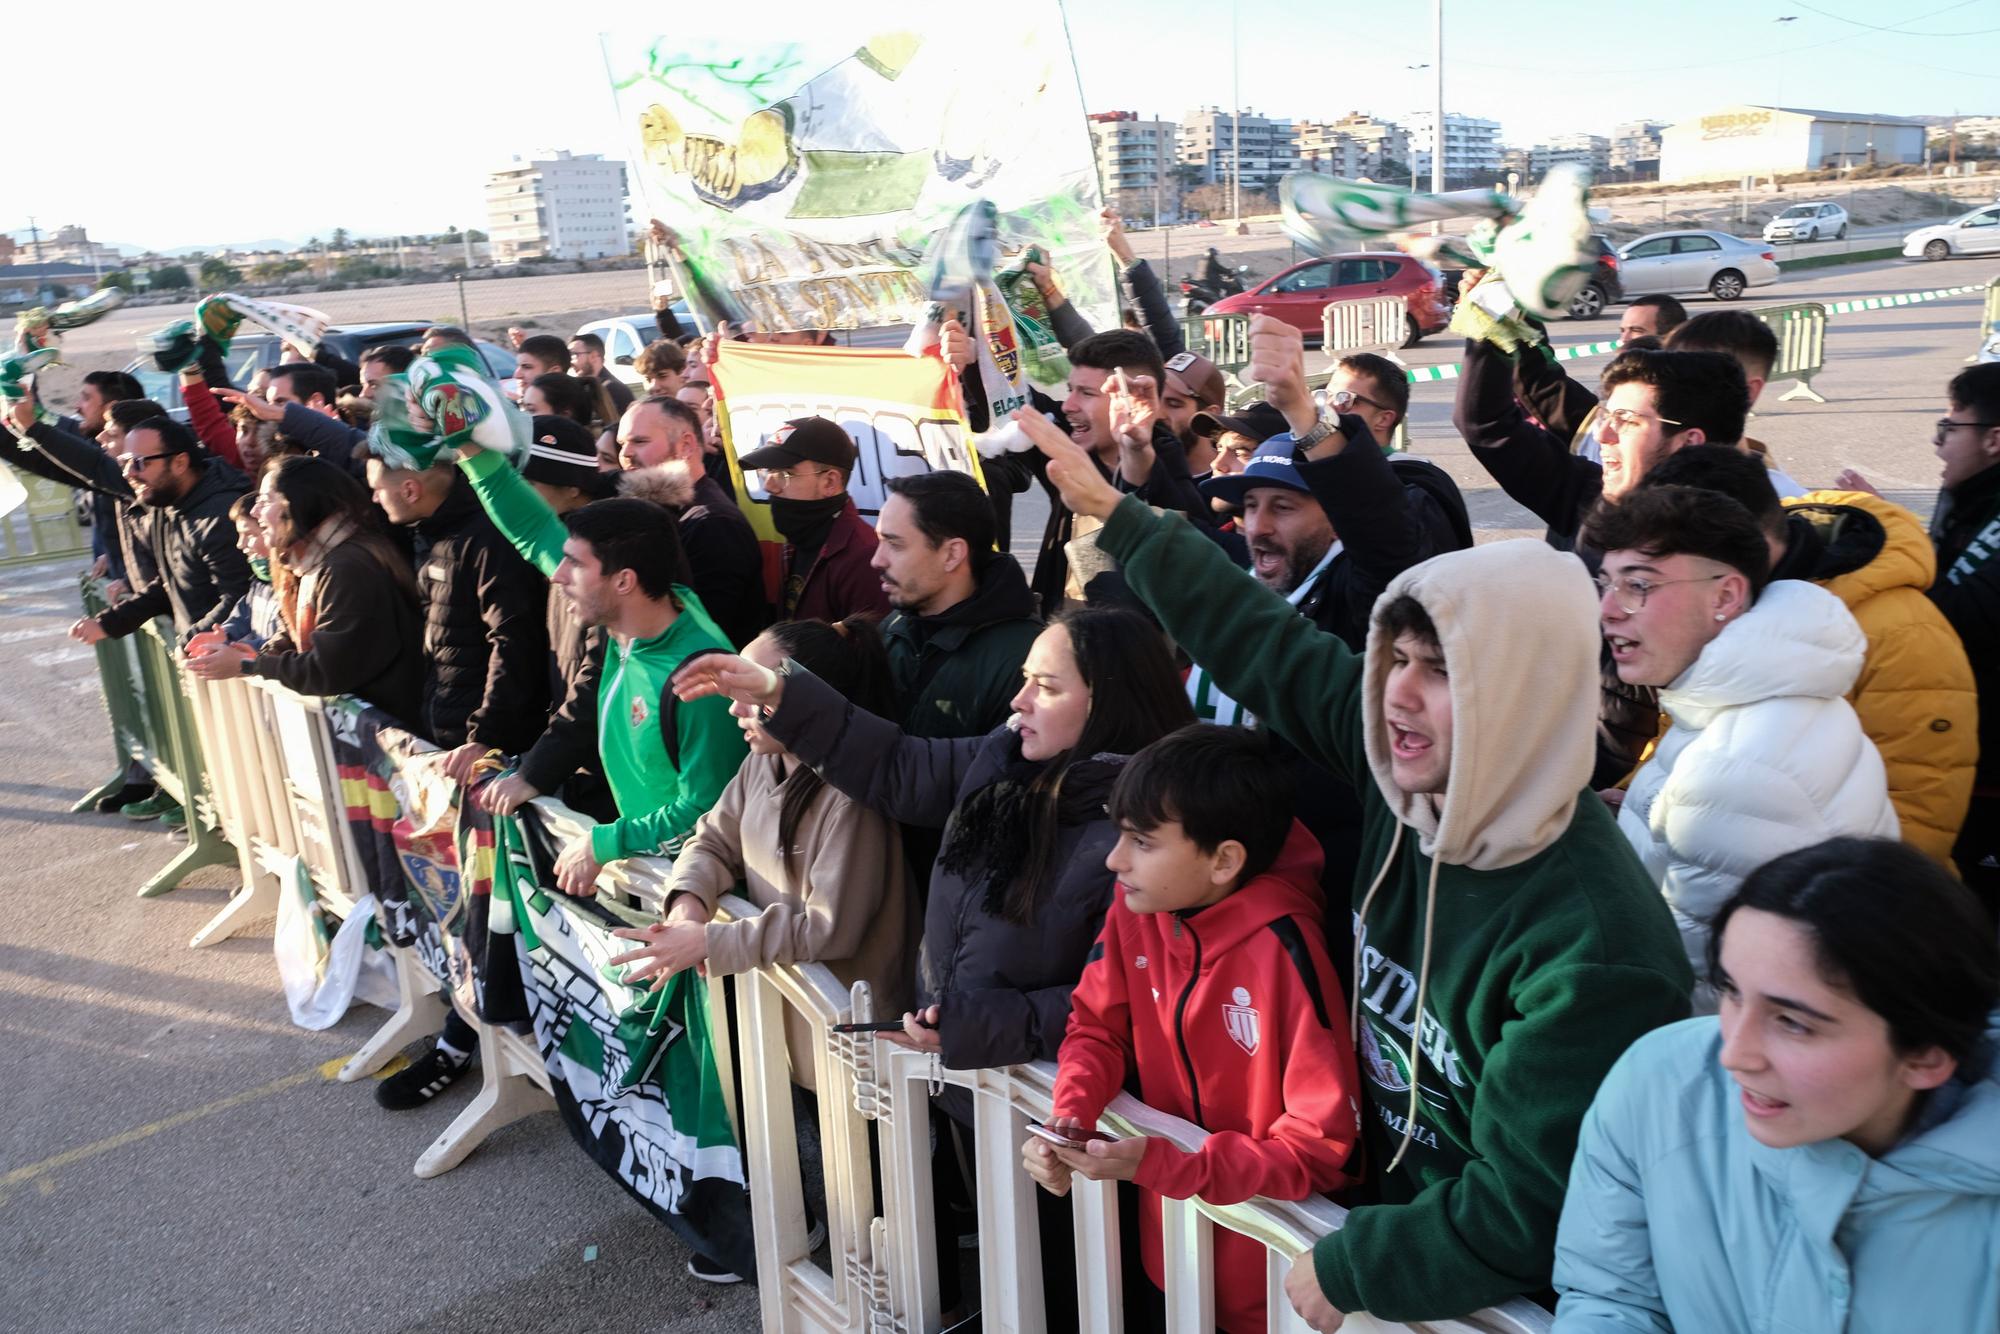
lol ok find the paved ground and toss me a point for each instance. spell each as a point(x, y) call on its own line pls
point(172, 1154)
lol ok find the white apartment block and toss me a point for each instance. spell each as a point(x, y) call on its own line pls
point(558, 205)
point(1136, 158)
point(1591, 151)
point(1208, 142)
point(1636, 142)
point(1471, 146)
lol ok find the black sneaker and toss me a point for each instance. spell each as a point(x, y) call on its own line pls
point(123, 797)
point(711, 1271)
point(425, 1079)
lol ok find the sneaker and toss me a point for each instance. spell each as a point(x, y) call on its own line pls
point(423, 1080)
point(152, 808)
point(711, 1271)
point(174, 817)
point(123, 797)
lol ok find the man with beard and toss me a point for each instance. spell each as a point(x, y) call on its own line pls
point(828, 573)
point(659, 446)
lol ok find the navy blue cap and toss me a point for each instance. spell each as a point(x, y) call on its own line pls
point(1272, 466)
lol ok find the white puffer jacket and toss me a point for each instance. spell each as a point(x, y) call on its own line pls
point(1765, 756)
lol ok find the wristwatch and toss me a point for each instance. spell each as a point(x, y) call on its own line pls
point(1320, 430)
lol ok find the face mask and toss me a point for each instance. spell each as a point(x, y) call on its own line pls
point(802, 520)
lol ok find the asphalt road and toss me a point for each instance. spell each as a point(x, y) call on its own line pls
point(172, 1156)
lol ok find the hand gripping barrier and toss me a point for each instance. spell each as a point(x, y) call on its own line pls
point(152, 722)
point(1801, 332)
point(278, 793)
point(42, 529)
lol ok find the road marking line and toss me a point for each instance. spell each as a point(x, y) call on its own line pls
point(39, 1173)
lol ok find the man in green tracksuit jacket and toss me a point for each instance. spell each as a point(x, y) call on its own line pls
point(1507, 945)
point(619, 562)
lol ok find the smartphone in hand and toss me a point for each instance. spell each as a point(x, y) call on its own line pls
point(1068, 1138)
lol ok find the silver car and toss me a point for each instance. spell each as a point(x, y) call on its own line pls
point(1686, 262)
point(1808, 222)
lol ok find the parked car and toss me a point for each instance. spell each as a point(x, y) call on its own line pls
point(1687, 262)
point(1808, 222)
point(252, 352)
point(626, 336)
point(1297, 295)
point(1974, 233)
point(1604, 287)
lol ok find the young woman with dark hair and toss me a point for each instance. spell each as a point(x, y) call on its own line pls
point(1018, 895)
point(353, 611)
point(1823, 1154)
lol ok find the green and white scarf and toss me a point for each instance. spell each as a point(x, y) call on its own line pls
point(445, 399)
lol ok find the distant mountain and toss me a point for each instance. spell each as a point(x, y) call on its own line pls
point(129, 248)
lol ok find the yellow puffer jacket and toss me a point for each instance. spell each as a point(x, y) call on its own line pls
point(1915, 695)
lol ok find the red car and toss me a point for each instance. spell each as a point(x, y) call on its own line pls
point(1298, 294)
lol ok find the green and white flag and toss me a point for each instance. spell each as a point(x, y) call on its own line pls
point(633, 1070)
point(807, 174)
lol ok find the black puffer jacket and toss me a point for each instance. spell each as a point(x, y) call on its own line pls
point(956, 673)
point(484, 639)
point(725, 559)
point(1003, 989)
point(202, 574)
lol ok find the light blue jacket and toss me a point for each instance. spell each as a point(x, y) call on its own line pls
point(1677, 1220)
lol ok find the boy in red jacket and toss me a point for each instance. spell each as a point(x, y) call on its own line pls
point(1211, 979)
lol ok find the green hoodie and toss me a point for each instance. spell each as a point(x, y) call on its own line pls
point(659, 801)
point(1550, 950)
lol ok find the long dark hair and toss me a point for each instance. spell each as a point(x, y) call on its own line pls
point(315, 491)
point(567, 396)
point(1136, 697)
point(1890, 927)
point(848, 655)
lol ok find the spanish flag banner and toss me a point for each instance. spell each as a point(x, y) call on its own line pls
point(902, 412)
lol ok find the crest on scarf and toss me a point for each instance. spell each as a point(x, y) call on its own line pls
point(1242, 1022)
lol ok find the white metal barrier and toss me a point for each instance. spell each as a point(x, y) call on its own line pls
point(1378, 324)
point(281, 796)
point(1801, 332)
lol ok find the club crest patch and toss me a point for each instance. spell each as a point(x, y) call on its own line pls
point(1242, 1022)
point(640, 713)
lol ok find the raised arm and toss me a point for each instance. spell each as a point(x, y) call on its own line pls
point(914, 780)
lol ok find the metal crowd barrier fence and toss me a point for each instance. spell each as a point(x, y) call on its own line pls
point(1989, 318)
point(1223, 339)
point(152, 723)
point(1801, 331)
point(43, 528)
point(1378, 324)
point(277, 795)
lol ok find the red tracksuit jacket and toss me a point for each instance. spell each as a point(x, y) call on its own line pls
point(1234, 1019)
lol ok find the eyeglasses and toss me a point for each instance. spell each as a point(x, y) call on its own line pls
point(1343, 399)
point(1946, 425)
point(138, 462)
point(780, 478)
point(1624, 420)
point(1631, 592)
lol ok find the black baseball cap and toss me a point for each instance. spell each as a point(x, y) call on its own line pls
point(1259, 421)
point(804, 440)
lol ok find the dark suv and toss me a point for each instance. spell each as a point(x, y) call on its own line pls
point(1603, 287)
point(253, 352)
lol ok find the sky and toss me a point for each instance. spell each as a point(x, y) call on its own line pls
point(181, 131)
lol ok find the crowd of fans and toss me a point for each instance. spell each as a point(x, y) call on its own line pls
point(1628, 946)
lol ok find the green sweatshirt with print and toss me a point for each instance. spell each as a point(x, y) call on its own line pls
point(659, 800)
point(1543, 966)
